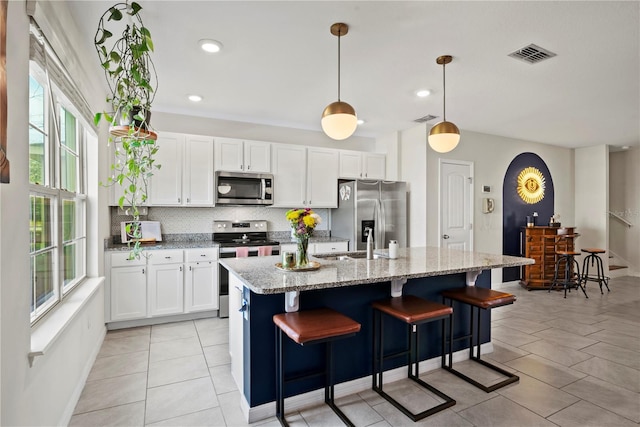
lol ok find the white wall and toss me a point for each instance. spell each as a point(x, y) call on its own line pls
point(491, 156)
point(169, 122)
point(624, 199)
point(592, 198)
point(413, 160)
point(43, 394)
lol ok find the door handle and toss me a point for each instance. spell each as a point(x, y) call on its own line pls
point(445, 236)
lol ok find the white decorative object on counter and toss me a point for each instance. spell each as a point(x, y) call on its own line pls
point(393, 249)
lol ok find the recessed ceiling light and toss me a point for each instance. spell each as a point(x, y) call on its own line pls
point(361, 122)
point(210, 46)
point(195, 98)
point(423, 93)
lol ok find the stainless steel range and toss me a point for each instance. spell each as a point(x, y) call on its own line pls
point(232, 235)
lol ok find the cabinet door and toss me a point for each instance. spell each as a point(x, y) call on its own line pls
point(322, 178)
point(289, 174)
point(228, 155)
point(374, 166)
point(236, 334)
point(128, 293)
point(257, 156)
point(166, 182)
point(198, 171)
point(166, 290)
point(350, 164)
point(201, 287)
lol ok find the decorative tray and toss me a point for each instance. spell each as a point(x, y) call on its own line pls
point(313, 265)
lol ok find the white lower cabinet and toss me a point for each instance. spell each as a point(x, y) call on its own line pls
point(128, 293)
point(201, 280)
point(236, 330)
point(329, 247)
point(161, 283)
point(166, 283)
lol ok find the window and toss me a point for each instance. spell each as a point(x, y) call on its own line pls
point(57, 195)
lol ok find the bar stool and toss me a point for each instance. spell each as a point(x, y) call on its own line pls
point(413, 311)
point(594, 258)
point(308, 327)
point(570, 280)
point(480, 299)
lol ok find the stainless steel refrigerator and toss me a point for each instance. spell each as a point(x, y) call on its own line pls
point(379, 205)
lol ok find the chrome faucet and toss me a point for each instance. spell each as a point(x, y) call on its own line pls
point(369, 232)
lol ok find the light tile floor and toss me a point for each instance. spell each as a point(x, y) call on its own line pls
point(578, 360)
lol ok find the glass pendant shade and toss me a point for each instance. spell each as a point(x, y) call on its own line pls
point(444, 137)
point(339, 120)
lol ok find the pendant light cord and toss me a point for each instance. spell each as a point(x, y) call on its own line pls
point(339, 35)
point(444, 94)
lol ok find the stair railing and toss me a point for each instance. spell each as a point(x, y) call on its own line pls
point(621, 219)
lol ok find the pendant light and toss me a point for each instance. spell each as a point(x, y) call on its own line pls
point(444, 136)
point(339, 119)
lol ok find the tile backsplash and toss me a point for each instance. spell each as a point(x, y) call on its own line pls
point(200, 220)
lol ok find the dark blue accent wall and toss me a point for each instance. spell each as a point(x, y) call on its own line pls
point(515, 210)
point(352, 355)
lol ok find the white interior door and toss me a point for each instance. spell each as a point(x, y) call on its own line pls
point(456, 205)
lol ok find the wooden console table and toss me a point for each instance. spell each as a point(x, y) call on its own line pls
point(541, 243)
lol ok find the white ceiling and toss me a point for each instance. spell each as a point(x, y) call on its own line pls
point(279, 64)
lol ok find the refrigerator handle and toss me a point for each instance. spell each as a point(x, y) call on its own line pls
point(382, 217)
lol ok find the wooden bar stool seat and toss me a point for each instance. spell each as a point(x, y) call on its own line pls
point(413, 311)
point(477, 299)
point(590, 260)
point(309, 327)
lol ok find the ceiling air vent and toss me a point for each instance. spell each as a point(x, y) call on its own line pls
point(425, 118)
point(532, 54)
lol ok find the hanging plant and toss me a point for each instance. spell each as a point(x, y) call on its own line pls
point(132, 80)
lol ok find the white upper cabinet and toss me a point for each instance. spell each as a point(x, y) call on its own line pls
point(289, 175)
point(185, 177)
point(322, 178)
point(236, 155)
point(197, 186)
point(166, 182)
point(358, 165)
point(304, 177)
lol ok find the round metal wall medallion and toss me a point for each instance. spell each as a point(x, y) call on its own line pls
point(531, 185)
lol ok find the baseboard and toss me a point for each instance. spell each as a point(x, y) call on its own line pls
point(75, 396)
point(121, 324)
point(316, 397)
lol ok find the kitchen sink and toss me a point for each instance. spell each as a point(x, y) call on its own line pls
point(348, 256)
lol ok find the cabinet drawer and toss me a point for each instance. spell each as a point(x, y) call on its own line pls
point(165, 257)
point(195, 255)
point(121, 259)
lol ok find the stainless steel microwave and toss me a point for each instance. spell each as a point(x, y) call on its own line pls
point(238, 188)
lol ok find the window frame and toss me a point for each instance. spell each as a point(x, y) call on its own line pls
point(55, 102)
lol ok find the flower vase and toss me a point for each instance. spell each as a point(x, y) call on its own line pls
point(302, 259)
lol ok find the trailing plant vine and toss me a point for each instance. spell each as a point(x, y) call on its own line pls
point(132, 80)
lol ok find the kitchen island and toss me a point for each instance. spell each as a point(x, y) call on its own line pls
point(258, 290)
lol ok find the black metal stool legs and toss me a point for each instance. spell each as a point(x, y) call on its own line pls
point(569, 262)
point(475, 341)
point(600, 277)
point(328, 374)
point(413, 368)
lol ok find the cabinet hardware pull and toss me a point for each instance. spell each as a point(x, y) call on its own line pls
point(190, 268)
point(179, 200)
point(188, 200)
point(446, 236)
point(248, 167)
point(203, 254)
point(167, 257)
point(180, 268)
point(143, 271)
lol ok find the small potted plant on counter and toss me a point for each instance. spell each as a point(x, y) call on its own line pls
point(132, 80)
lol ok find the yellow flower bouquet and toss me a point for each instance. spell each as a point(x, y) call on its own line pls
point(303, 222)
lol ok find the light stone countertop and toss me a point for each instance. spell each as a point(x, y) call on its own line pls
point(261, 275)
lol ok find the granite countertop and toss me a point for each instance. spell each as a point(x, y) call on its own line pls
point(115, 247)
point(261, 276)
